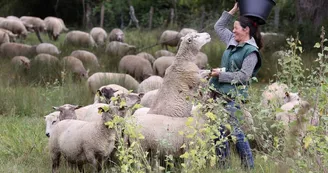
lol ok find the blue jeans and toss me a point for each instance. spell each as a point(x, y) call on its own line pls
point(242, 145)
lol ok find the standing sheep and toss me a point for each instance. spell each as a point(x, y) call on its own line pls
point(80, 142)
point(79, 38)
point(136, 66)
point(46, 59)
point(17, 49)
point(99, 35)
point(118, 49)
point(149, 84)
point(161, 53)
point(161, 64)
point(89, 59)
point(38, 24)
point(54, 27)
point(99, 79)
point(169, 38)
point(75, 66)
point(181, 80)
point(116, 35)
point(47, 48)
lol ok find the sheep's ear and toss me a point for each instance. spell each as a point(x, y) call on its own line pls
point(141, 95)
point(98, 93)
point(287, 94)
point(100, 110)
point(56, 108)
point(103, 109)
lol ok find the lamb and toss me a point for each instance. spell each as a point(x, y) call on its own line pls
point(47, 48)
point(274, 94)
point(181, 80)
point(99, 35)
point(147, 56)
point(118, 49)
point(21, 62)
point(80, 142)
point(17, 49)
point(149, 84)
point(148, 99)
point(99, 79)
point(75, 66)
point(89, 59)
point(169, 38)
point(116, 35)
point(16, 27)
point(161, 53)
point(79, 38)
point(136, 66)
point(54, 27)
point(161, 64)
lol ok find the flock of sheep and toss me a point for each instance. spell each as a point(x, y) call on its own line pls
point(160, 83)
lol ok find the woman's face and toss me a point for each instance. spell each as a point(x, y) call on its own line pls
point(241, 34)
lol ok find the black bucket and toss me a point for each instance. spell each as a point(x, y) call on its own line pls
point(258, 10)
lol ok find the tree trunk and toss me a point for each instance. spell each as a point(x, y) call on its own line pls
point(122, 21)
point(175, 11)
point(102, 14)
point(313, 11)
point(133, 17)
point(151, 13)
point(171, 17)
point(83, 19)
point(88, 16)
point(202, 18)
point(276, 17)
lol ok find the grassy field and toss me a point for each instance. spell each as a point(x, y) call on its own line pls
point(25, 100)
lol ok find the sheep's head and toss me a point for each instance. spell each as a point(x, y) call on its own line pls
point(67, 111)
point(107, 113)
point(289, 97)
point(195, 40)
point(51, 119)
point(105, 94)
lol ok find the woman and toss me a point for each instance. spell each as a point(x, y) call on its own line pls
point(242, 61)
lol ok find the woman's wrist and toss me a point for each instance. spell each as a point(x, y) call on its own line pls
point(233, 11)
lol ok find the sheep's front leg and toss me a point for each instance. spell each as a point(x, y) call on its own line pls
point(93, 161)
point(55, 157)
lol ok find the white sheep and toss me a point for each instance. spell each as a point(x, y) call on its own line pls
point(4, 37)
point(116, 35)
point(161, 53)
point(181, 80)
point(96, 80)
point(119, 49)
point(161, 64)
point(99, 35)
point(21, 62)
point(79, 38)
point(17, 49)
point(47, 48)
point(169, 38)
point(54, 27)
point(136, 66)
point(89, 59)
point(274, 94)
point(149, 84)
point(67, 111)
point(83, 142)
point(15, 26)
point(75, 66)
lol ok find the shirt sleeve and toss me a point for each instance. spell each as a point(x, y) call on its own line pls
point(244, 74)
point(221, 29)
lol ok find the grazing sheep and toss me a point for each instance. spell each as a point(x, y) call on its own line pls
point(181, 80)
point(12, 36)
point(161, 53)
point(21, 62)
point(99, 79)
point(118, 49)
point(89, 59)
point(136, 66)
point(15, 26)
point(54, 27)
point(108, 88)
point(147, 56)
point(79, 38)
point(99, 35)
point(169, 38)
point(116, 35)
point(38, 24)
point(201, 60)
point(46, 59)
point(83, 142)
point(17, 49)
point(47, 48)
point(161, 64)
point(274, 94)
point(148, 99)
point(75, 66)
point(149, 84)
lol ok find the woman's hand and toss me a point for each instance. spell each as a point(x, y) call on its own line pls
point(215, 72)
point(234, 9)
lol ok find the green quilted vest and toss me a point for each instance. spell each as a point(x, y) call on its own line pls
point(232, 60)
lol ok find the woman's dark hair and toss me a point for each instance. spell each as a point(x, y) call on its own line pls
point(254, 29)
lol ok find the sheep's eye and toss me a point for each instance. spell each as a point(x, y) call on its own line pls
point(53, 122)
